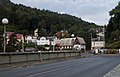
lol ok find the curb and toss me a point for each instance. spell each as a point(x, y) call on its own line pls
point(115, 72)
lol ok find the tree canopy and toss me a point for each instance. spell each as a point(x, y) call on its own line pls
point(113, 28)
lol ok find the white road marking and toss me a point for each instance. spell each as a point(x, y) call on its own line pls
point(33, 75)
point(41, 73)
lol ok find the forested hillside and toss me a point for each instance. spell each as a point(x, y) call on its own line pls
point(113, 28)
point(24, 19)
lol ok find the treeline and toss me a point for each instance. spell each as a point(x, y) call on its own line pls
point(24, 19)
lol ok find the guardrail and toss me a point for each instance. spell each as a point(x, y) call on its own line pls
point(6, 58)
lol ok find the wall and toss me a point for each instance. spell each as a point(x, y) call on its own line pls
point(34, 56)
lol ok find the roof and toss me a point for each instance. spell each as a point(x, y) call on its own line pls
point(67, 41)
point(8, 34)
point(19, 36)
point(81, 40)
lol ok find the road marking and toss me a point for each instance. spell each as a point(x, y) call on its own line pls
point(41, 73)
point(33, 75)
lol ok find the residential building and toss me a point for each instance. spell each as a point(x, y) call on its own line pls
point(8, 34)
point(31, 39)
point(72, 43)
point(79, 44)
point(66, 43)
point(43, 41)
point(99, 42)
point(19, 37)
point(36, 33)
point(61, 44)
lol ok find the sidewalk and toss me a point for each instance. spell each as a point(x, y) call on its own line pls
point(114, 72)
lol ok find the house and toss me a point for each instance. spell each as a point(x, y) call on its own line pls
point(79, 44)
point(72, 43)
point(43, 41)
point(36, 33)
point(19, 37)
point(62, 44)
point(99, 42)
point(66, 43)
point(47, 40)
point(31, 39)
point(62, 33)
point(8, 34)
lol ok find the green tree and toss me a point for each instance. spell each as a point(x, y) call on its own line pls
point(42, 28)
point(12, 45)
point(113, 27)
point(115, 35)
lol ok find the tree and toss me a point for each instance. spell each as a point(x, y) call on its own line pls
point(113, 27)
point(42, 28)
point(115, 35)
point(12, 45)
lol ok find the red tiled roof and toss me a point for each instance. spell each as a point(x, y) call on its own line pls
point(8, 34)
point(19, 36)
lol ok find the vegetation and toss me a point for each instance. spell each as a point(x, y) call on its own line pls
point(113, 28)
point(13, 44)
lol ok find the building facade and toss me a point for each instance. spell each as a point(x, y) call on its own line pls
point(99, 42)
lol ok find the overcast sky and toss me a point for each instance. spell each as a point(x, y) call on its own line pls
point(96, 11)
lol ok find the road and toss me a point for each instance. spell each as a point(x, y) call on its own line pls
point(95, 66)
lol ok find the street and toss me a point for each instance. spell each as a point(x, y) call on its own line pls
point(94, 66)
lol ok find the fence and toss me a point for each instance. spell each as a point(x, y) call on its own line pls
point(34, 56)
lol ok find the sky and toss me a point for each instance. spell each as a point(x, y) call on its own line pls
point(96, 11)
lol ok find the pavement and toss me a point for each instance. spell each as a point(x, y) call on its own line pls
point(114, 72)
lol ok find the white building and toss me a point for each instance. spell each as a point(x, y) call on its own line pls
point(79, 44)
point(99, 42)
point(72, 43)
point(36, 33)
point(66, 43)
point(43, 41)
point(62, 44)
point(31, 39)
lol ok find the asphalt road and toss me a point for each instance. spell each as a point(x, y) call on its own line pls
point(95, 66)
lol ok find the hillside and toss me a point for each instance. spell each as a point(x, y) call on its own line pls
point(24, 19)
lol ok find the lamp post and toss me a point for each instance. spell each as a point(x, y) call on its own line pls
point(5, 22)
point(54, 39)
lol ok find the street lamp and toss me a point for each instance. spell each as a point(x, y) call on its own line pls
point(72, 35)
point(5, 22)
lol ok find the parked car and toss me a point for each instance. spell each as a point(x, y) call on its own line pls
point(30, 49)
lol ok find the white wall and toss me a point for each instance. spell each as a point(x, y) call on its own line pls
point(43, 41)
point(79, 47)
point(98, 44)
